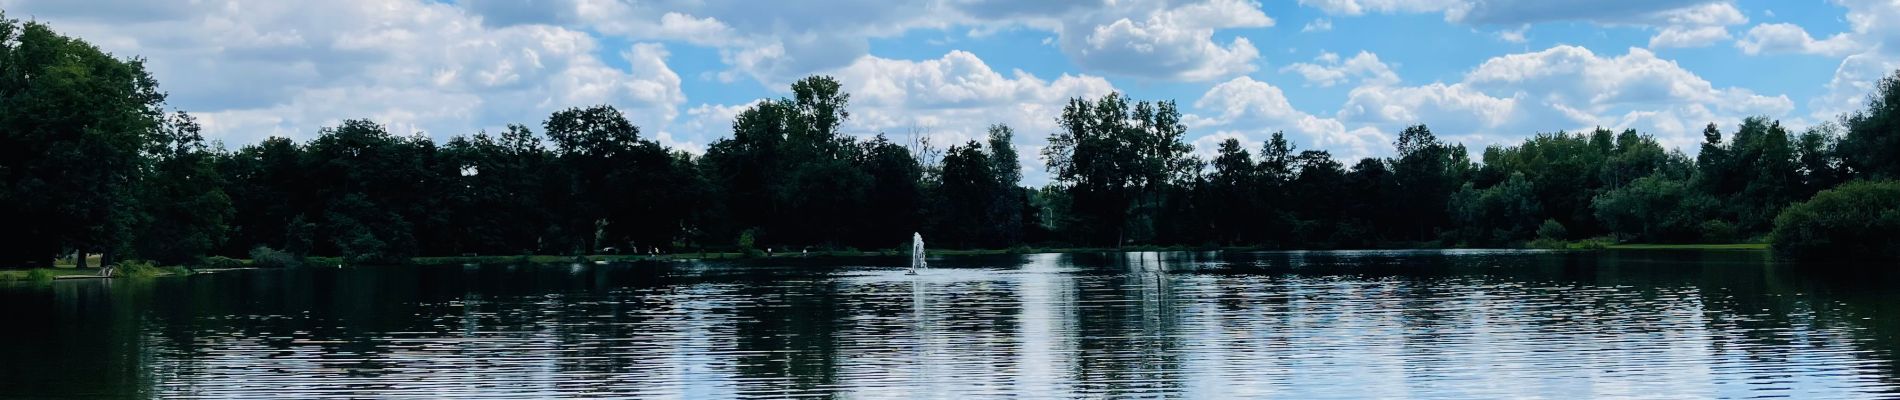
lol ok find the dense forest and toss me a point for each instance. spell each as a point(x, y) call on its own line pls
point(94, 161)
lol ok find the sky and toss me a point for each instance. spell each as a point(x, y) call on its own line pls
point(1337, 75)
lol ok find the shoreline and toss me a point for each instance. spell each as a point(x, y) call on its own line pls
point(67, 272)
point(1750, 247)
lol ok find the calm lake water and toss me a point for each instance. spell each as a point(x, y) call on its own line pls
point(1456, 324)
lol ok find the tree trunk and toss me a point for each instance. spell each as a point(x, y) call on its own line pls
point(79, 258)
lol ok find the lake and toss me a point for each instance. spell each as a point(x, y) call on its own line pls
point(1368, 324)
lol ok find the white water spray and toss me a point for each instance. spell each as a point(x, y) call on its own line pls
point(917, 253)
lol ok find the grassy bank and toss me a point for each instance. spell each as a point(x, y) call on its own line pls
point(44, 274)
point(1711, 247)
point(58, 271)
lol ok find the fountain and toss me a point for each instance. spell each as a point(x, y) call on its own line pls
point(917, 253)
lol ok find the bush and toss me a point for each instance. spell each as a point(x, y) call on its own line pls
point(266, 257)
point(1596, 243)
point(748, 240)
point(39, 275)
point(1548, 243)
point(222, 262)
point(1718, 231)
point(1552, 230)
point(1858, 220)
point(138, 269)
point(1654, 209)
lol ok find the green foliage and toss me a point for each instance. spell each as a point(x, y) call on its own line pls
point(789, 170)
point(1595, 243)
point(1858, 220)
point(1549, 244)
point(1428, 171)
point(975, 203)
point(1500, 214)
point(1718, 231)
point(1654, 209)
point(39, 275)
point(75, 123)
point(222, 262)
point(1116, 162)
point(1553, 230)
point(186, 207)
point(266, 257)
point(1872, 145)
point(748, 239)
point(139, 269)
point(1751, 176)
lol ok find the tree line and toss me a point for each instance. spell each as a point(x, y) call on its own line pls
point(95, 162)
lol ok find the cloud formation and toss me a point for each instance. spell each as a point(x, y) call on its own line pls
point(682, 68)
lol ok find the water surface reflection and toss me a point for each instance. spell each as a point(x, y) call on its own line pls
point(1464, 324)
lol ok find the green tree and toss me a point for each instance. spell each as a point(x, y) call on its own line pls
point(1753, 175)
point(186, 211)
point(1655, 209)
point(1500, 214)
point(967, 185)
point(896, 194)
point(1567, 170)
point(497, 199)
point(1427, 171)
point(74, 122)
point(373, 189)
point(1271, 213)
point(1856, 221)
point(789, 171)
point(267, 185)
point(1234, 189)
point(1872, 145)
point(1818, 153)
point(1319, 184)
point(1006, 215)
point(1118, 162)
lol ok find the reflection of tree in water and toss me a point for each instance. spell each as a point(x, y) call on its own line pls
point(1862, 306)
point(1712, 323)
point(787, 337)
point(1127, 328)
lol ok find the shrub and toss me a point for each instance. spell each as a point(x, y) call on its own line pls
point(39, 275)
point(266, 257)
point(1552, 230)
point(138, 269)
point(1654, 209)
point(1857, 220)
point(1548, 243)
point(222, 262)
point(748, 240)
point(1718, 231)
point(1596, 243)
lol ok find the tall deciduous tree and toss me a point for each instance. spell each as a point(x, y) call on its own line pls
point(74, 122)
point(186, 209)
point(1117, 162)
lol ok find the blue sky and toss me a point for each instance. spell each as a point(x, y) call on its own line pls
point(1339, 75)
